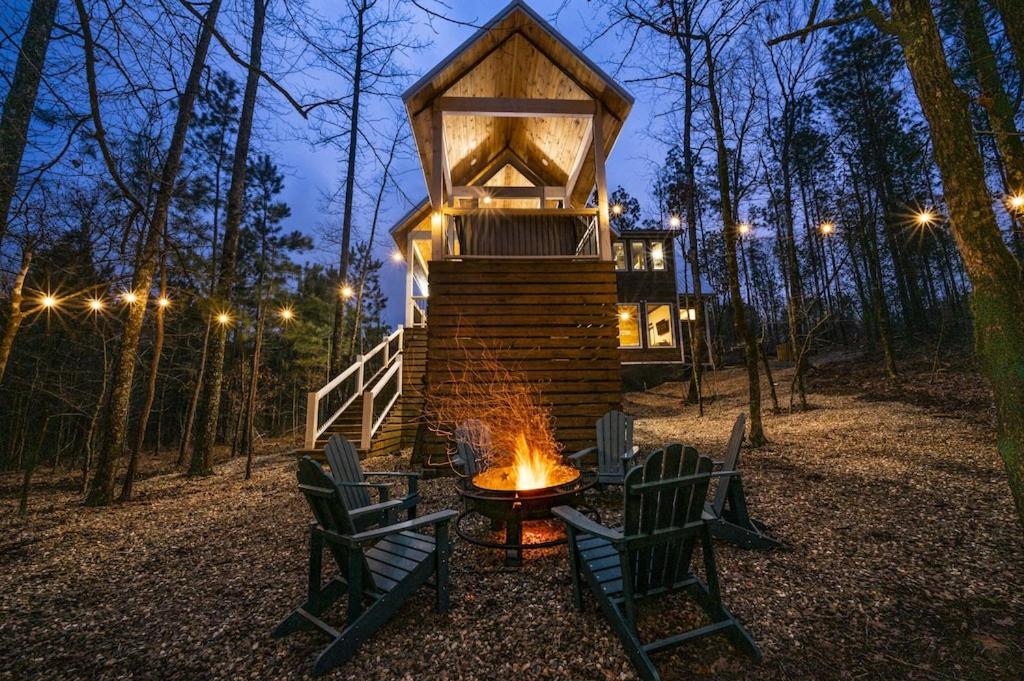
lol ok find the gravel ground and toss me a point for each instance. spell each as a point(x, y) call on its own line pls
point(904, 561)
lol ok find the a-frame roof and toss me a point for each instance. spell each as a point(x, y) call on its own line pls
point(518, 55)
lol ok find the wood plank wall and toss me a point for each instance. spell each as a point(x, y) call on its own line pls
point(553, 320)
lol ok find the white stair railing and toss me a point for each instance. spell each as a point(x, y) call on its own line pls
point(358, 379)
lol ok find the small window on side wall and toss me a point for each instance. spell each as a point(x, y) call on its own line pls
point(637, 256)
point(657, 255)
point(629, 326)
point(659, 326)
point(619, 253)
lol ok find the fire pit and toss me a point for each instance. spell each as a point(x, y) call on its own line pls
point(493, 495)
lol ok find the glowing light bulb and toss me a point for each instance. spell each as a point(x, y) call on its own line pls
point(925, 217)
point(624, 316)
point(163, 301)
point(396, 256)
point(827, 228)
point(347, 292)
point(487, 199)
point(674, 222)
point(223, 318)
point(95, 305)
point(286, 313)
point(1016, 202)
point(48, 301)
point(617, 209)
point(129, 297)
point(744, 228)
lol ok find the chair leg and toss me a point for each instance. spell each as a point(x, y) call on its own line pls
point(626, 631)
point(441, 551)
point(317, 599)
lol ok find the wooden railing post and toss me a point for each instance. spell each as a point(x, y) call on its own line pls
point(312, 415)
point(366, 431)
point(359, 374)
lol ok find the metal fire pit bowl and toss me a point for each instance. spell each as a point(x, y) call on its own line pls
point(512, 508)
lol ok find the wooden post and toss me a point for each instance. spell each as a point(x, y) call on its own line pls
point(359, 373)
point(409, 264)
point(367, 425)
point(436, 187)
point(604, 242)
point(312, 406)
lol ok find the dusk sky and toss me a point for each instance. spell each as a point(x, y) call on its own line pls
point(314, 171)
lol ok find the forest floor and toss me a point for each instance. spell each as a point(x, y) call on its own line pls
point(904, 559)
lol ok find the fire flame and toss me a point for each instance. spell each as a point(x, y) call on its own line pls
point(532, 468)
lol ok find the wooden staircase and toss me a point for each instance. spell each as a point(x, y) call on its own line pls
point(398, 427)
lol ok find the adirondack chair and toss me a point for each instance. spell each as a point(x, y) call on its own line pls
point(727, 512)
point(378, 569)
point(652, 554)
point(467, 459)
point(614, 451)
point(349, 476)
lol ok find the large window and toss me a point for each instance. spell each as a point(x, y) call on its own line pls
point(619, 253)
point(657, 255)
point(637, 256)
point(659, 326)
point(629, 326)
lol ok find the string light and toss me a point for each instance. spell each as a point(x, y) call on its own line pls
point(827, 228)
point(286, 314)
point(744, 228)
point(49, 301)
point(487, 199)
point(624, 316)
point(95, 305)
point(674, 222)
point(617, 209)
point(129, 297)
point(347, 292)
point(396, 256)
point(924, 217)
point(1016, 202)
point(223, 318)
point(163, 302)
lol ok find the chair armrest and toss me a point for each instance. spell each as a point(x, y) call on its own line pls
point(439, 518)
point(582, 523)
point(383, 506)
point(411, 479)
point(632, 453)
point(383, 489)
point(577, 458)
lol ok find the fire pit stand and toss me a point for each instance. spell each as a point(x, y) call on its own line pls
point(512, 508)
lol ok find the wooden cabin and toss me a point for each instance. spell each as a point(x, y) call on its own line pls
point(649, 319)
point(512, 131)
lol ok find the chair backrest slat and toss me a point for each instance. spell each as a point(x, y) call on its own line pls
point(676, 504)
point(730, 461)
point(465, 434)
point(344, 462)
point(329, 508)
point(614, 440)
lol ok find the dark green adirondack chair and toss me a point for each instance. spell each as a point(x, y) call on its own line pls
point(614, 451)
point(727, 512)
point(350, 477)
point(378, 568)
point(652, 554)
point(467, 459)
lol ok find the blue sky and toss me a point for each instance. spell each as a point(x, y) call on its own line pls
point(314, 171)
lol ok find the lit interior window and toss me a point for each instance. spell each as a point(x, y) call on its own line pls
point(659, 326)
point(629, 326)
point(657, 256)
point(637, 257)
point(619, 251)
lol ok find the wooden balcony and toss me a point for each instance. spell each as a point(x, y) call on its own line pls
point(551, 233)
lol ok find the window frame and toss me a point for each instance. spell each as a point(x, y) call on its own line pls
point(643, 255)
point(671, 324)
point(636, 320)
point(664, 260)
point(620, 246)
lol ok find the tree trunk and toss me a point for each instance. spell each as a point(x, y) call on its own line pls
point(209, 404)
point(338, 357)
point(21, 100)
point(16, 314)
point(197, 388)
point(116, 417)
point(996, 276)
point(993, 95)
point(1013, 23)
point(250, 409)
point(757, 437)
point(147, 407)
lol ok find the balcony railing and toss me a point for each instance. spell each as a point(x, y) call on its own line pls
point(536, 233)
